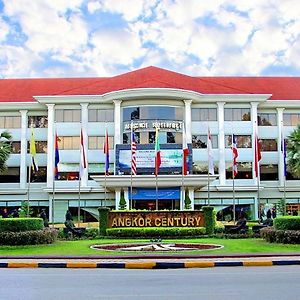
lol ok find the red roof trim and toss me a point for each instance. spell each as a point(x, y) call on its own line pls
point(23, 90)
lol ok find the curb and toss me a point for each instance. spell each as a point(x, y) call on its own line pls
point(150, 265)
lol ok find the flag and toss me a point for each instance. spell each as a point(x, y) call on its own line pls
point(211, 170)
point(257, 154)
point(82, 156)
point(34, 164)
point(133, 153)
point(234, 156)
point(185, 152)
point(56, 155)
point(106, 152)
point(283, 151)
point(157, 152)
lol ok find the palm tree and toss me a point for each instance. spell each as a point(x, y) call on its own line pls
point(5, 149)
point(293, 152)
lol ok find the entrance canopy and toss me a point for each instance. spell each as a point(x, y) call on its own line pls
point(116, 182)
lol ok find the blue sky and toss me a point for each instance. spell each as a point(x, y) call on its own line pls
point(77, 38)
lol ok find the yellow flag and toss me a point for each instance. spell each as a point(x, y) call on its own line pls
point(34, 164)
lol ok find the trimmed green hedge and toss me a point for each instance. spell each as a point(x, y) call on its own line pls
point(33, 237)
point(287, 223)
point(21, 224)
point(149, 232)
point(210, 219)
point(272, 235)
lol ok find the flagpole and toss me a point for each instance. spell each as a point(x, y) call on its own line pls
point(208, 162)
point(78, 213)
point(53, 197)
point(233, 194)
point(233, 176)
point(106, 149)
point(28, 189)
point(131, 135)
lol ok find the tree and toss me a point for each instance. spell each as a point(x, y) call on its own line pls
point(187, 201)
point(5, 149)
point(293, 152)
point(122, 203)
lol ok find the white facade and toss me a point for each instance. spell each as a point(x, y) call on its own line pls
point(93, 194)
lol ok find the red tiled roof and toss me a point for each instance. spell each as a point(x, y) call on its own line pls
point(23, 90)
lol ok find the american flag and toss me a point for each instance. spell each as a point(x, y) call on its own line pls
point(133, 154)
point(234, 156)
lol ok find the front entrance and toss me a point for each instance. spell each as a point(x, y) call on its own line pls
point(147, 198)
point(151, 204)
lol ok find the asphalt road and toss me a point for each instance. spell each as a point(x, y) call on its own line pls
point(232, 283)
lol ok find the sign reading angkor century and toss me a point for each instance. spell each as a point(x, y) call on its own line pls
point(156, 219)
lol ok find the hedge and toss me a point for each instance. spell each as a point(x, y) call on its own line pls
point(21, 224)
point(272, 235)
point(210, 219)
point(287, 223)
point(149, 232)
point(32, 237)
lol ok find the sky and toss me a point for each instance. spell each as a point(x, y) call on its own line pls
point(100, 38)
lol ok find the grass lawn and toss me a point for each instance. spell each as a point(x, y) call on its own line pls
point(81, 247)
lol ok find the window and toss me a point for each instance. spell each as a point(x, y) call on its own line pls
point(38, 121)
point(204, 114)
point(244, 170)
point(10, 175)
point(68, 115)
point(171, 138)
point(237, 114)
point(97, 142)
point(264, 119)
point(200, 141)
point(291, 119)
point(268, 145)
point(69, 143)
point(152, 113)
point(268, 172)
point(101, 115)
point(242, 141)
point(40, 146)
point(10, 122)
point(16, 147)
point(38, 176)
point(202, 167)
point(127, 138)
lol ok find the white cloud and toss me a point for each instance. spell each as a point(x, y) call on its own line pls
point(18, 62)
point(117, 46)
point(4, 30)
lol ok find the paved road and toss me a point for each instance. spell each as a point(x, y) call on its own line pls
point(232, 283)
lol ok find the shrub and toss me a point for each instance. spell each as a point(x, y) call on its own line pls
point(32, 237)
point(21, 224)
point(210, 219)
point(155, 232)
point(287, 223)
point(272, 235)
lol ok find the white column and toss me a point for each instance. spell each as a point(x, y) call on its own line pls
point(117, 120)
point(23, 163)
point(126, 196)
point(192, 197)
point(84, 125)
point(118, 198)
point(279, 143)
point(221, 142)
point(188, 120)
point(181, 203)
point(254, 129)
point(50, 146)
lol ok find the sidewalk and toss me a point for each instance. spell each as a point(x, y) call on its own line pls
point(151, 261)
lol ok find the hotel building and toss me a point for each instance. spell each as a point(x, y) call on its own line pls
point(147, 98)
